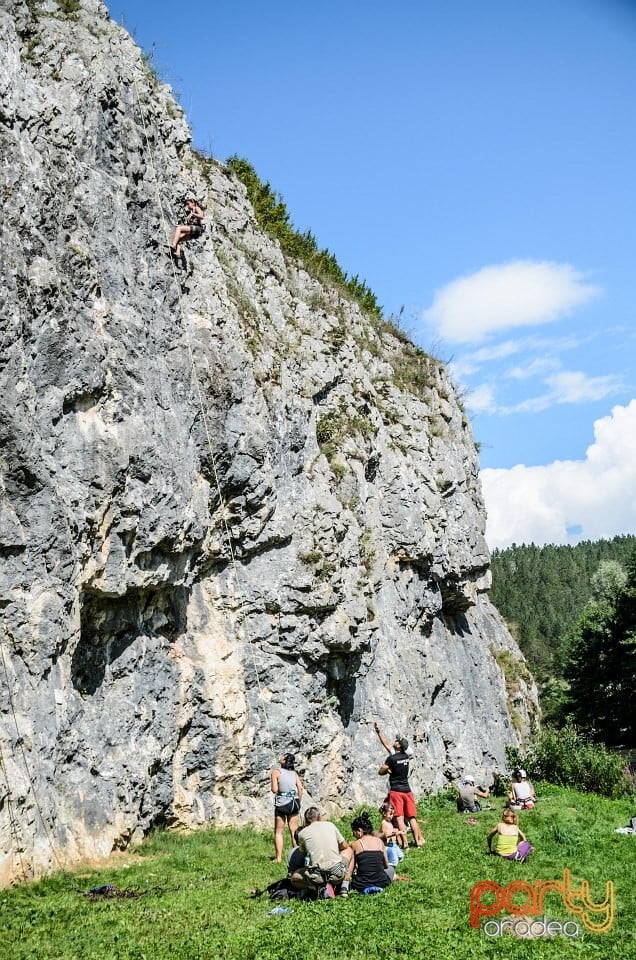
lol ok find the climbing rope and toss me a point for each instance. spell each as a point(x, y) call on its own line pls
point(240, 592)
point(20, 743)
point(13, 825)
point(19, 841)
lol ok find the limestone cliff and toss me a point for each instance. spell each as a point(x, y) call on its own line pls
point(235, 519)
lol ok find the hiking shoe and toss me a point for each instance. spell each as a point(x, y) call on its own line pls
point(328, 893)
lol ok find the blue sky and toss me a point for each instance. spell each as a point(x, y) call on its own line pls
point(474, 163)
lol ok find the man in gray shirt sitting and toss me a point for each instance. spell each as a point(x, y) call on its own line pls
point(467, 801)
point(328, 854)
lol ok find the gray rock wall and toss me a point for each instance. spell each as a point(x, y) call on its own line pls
point(234, 520)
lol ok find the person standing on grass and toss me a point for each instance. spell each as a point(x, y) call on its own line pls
point(400, 795)
point(288, 790)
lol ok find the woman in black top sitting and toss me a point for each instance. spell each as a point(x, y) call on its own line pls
point(369, 866)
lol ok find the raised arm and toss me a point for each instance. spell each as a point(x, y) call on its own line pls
point(383, 740)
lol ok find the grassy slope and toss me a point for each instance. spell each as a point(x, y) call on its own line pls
point(197, 906)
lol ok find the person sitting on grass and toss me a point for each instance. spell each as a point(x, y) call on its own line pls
point(328, 852)
point(467, 801)
point(522, 795)
point(394, 838)
point(369, 866)
point(509, 841)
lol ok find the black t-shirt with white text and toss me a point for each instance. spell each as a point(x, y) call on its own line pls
point(398, 764)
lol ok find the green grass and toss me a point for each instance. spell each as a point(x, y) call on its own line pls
point(197, 904)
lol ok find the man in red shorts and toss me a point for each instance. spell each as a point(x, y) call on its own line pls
point(400, 795)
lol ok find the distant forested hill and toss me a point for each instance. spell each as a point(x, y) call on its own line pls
point(541, 592)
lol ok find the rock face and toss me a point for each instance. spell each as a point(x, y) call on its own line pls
point(235, 519)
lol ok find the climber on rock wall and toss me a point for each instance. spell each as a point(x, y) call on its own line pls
point(193, 228)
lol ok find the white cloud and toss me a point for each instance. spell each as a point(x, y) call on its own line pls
point(566, 386)
point(535, 368)
point(503, 296)
point(595, 496)
point(473, 361)
point(482, 399)
point(548, 347)
point(574, 386)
